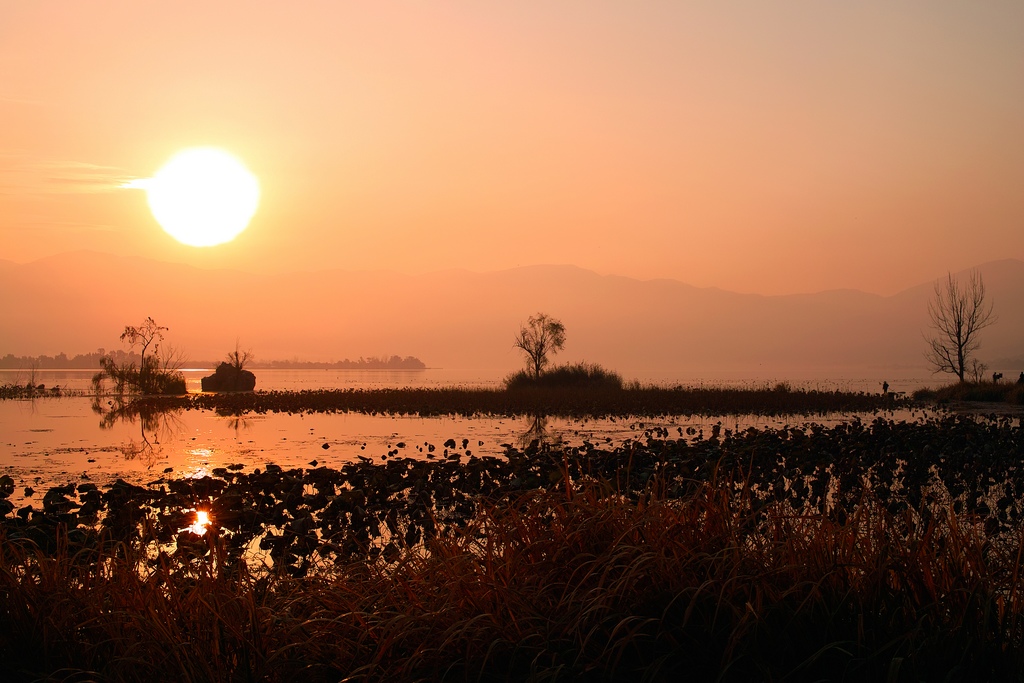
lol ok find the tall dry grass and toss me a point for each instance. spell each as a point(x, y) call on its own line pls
point(983, 392)
point(567, 585)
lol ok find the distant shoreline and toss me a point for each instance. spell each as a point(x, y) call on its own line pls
point(90, 361)
point(204, 366)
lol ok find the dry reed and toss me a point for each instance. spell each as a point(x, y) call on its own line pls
point(567, 585)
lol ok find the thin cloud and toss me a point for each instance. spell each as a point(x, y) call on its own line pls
point(22, 176)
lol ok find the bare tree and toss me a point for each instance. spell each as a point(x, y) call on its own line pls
point(976, 371)
point(959, 311)
point(540, 337)
point(239, 358)
point(172, 359)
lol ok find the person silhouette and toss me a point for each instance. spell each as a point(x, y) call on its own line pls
point(1020, 380)
point(885, 385)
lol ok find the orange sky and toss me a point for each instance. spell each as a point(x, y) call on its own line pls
point(759, 147)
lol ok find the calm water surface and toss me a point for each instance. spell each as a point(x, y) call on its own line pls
point(51, 441)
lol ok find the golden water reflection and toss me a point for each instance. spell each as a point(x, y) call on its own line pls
point(201, 524)
point(154, 424)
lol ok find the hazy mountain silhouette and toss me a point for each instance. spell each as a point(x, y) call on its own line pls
point(80, 301)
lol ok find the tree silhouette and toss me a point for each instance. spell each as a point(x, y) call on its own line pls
point(146, 334)
point(238, 358)
point(157, 373)
point(959, 311)
point(540, 337)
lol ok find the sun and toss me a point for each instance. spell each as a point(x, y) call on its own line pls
point(202, 196)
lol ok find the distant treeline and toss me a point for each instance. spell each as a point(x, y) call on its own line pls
point(371, 363)
point(92, 361)
point(61, 361)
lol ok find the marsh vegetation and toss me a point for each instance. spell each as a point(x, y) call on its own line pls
point(29, 390)
point(985, 392)
point(156, 373)
point(882, 550)
point(555, 401)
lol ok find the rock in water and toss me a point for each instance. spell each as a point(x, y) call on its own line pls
point(228, 378)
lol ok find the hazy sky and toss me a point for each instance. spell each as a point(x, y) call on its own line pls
point(769, 147)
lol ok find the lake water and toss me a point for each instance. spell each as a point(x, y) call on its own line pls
point(51, 441)
point(287, 380)
point(297, 380)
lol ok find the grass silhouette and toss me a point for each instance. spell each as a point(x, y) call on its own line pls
point(985, 392)
point(588, 376)
point(552, 585)
point(567, 401)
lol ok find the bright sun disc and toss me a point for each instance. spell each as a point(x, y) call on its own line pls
point(203, 196)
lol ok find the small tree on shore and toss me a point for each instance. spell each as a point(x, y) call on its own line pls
point(958, 311)
point(540, 337)
point(145, 335)
point(155, 375)
point(239, 358)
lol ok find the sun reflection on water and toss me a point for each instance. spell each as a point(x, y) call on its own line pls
point(201, 524)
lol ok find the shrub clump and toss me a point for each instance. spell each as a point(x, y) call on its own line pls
point(574, 375)
point(151, 378)
point(986, 392)
point(29, 390)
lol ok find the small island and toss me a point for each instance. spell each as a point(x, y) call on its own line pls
point(229, 377)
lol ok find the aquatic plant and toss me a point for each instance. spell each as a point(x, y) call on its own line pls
point(30, 390)
point(554, 401)
point(587, 376)
point(369, 508)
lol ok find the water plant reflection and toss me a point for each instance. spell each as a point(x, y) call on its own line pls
point(156, 421)
point(236, 419)
point(539, 432)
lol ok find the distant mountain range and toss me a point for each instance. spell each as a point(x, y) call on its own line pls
point(81, 301)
